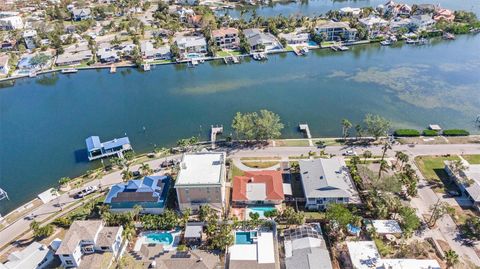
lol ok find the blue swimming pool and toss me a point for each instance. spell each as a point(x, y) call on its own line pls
point(312, 43)
point(164, 238)
point(244, 238)
point(260, 210)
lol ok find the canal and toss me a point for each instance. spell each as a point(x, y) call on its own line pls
point(44, 121)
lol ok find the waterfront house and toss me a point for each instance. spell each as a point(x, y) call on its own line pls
point(305, 248)
point(108, 55)
point(261, 41)
point(443, 14)
point(191, 46)
point(87, 242)
point(10, 20)
point(297, 37)
point(252, 249)
point(394, 9)
point(365, 255)
point(374, 25)
point(226, 38)
point(422, 9)
point(335, 31)
point(25, 64)
point(29, 37)
point(258, 187)
point(7, 44)
point(201, 180)
point(400, 23)
point(4, 68)
point(467, 179)
point(149, 51)
point(35, 255)
point(423, 22)
point(97, 149)
point(350, 11)
point(81, 14)
point(326, 181)
point(150, 193)
point(75, 54)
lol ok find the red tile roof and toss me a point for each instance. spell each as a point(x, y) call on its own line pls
point(273, 184)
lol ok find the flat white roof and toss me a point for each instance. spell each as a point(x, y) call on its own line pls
point(410, 264)
point(386, 226)
point(29, 257)
point(363, 254)
point(243, 252)
point(201, 169)
point(256, 191)
point(265, 249)
point(262, 251)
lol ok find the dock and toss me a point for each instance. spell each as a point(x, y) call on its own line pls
point(339, 48)
point(305, 129)
point(213, 134)
point(146, 67)
point(113, 69)
point(297, 51)
point(98, 150)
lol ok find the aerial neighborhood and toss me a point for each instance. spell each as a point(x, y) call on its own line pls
point(376, 197)
point(49, 36)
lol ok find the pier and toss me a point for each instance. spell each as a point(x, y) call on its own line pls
point(213, 134)
point(113, 69)
point(305, 129)
point(98, 150)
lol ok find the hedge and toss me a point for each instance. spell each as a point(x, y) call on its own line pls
point(429, 132)
point(406, 132)
point(456, 132)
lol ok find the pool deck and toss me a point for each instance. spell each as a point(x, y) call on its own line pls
point(242, 213)
point(142, 240)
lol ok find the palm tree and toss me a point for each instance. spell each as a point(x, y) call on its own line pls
point(136, 211)
point(366, 154)
point(346, 125)
point(186, 215)
point(146, 170)
point(383, 168)
point(127, 174)
point(385, 147)
point(451, 257)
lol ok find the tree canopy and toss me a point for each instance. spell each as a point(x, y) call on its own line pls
point(257, 126)
point(376, 125)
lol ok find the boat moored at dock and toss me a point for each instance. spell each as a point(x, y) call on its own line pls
point(69, 70)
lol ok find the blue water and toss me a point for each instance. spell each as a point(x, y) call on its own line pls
point(261, 210)
point(244, 238)
point(163, 238)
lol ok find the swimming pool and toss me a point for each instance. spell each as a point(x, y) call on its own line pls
point(312, 43)
point(164, 238)
point(244, 238)
point(260, 210)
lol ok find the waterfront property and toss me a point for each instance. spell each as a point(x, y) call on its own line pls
point(88, 240)
point(35, 255)
point(4, 68)
point(226, 38)
point(298, 37)
point(423, 22)
point(191, 45)
point(305, 248)
point(258, 188)
point(374, 25)
point(150, 52)
point(201, 180)
point(261, 41)
point(167, 240)
point(150, 193)
point(74, 54)
point(252, 249)
point(29, 38)
point(97, 149)
point(326, 181)
point(467, 179)
point(365, 255)
point(335, 31)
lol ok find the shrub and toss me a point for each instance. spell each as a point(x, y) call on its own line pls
point(456, 132)
point(429, 132)
point(406, 132)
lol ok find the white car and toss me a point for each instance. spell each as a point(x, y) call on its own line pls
point(349, 152)
point(88, 190)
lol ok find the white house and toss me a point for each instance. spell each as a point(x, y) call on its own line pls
point(10, 20)
point(423, 22)
point(326, 181)
point(89, 237)
point(257, 252)
point(373, 24)
point(350, 11)
point(29, 38)
point(81, 14)
point(467, 179)
point(333, 31)
point(35, 255)
point(191, 46)
point(260, 40)
point(4, 64)
point(150, 52)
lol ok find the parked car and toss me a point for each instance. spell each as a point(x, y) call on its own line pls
point(136, 174)
point(88, 190)
point(454, 193)
point(349, 152)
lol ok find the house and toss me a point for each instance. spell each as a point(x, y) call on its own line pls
point(75, 54)
point(423, 22)
point(150, 52)
point(156, 257)
point(350, 11)
point(97, 149)
point(201, 180)
point(86, 241)
point(191, 46)
point(305, 248)
point(4, 68)
point(258, 187)
point(226, 38)
point(383, 227)
point(195, 21)
point(10, 20)
point(29, 37)
point(108, 55)
point(374, 25)
point(398, 9)
point(193, 233)
point(422, 9)
point(365, 255)
point(27, 64)
point(150, 193)
point(335, 31)
point(467, 179)
point(326, 181)
point(185, 13)
point(261, 41)
point(81, 14)
point(7, 44)
point(35, 255)
point(257, 251)
point(299, 36)
point(444, 14)
point(400, 23)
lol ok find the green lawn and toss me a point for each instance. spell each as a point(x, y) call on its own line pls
point(235, 171)
point(260, 158)
point(289, 48)
point(432, 167)
point(292, 143)
point(472, 159)
point(227, 53)
point(266, 164)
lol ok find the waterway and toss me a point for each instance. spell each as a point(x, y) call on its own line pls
point(44, 121)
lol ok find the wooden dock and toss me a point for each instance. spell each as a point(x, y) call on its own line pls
point(113, 69)
point(305, 129)
point(297, 51)
point(213, 134)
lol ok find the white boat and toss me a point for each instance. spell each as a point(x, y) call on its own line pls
point(146, 67)
point(386, 43)
point(32, 74)
point(449, 36)
point(304, 50)
point(113, 69)
point(411, 41)
point(423, 41)
point(69, 70)
point(393, 38)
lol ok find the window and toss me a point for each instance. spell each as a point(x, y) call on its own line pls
point(66, 255)
point(105, 248)
point(69, 262)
